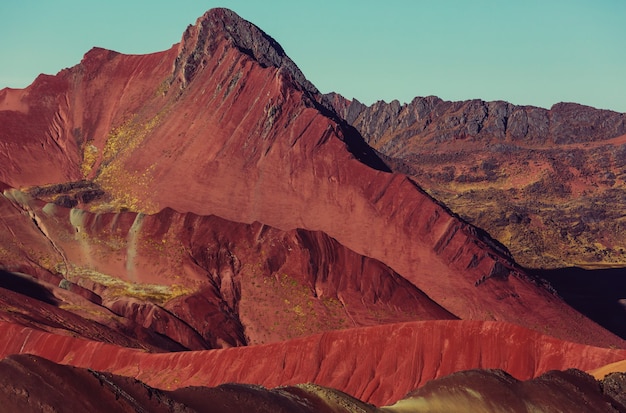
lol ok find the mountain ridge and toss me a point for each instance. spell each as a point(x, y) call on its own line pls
point(199, 42)
point(549, 184)
point(400, 357)
point(564, 122)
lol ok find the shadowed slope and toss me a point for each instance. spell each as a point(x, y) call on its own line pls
point(600, 294)
point(34, 384)
point(495, 391)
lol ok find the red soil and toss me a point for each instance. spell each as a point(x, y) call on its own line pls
point(378, 364)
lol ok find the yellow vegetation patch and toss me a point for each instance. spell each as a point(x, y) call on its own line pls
point(90, 156)
point(128, 188)
point(154, 293)
point(93, 311)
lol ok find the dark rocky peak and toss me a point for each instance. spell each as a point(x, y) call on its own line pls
point(200, 42)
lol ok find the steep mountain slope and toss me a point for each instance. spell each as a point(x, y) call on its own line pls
point(203, 282)
point(224, 124)
point(549, 184)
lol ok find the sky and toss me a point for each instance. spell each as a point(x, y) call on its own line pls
point(531, 52)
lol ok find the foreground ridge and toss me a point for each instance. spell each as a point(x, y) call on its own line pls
point(475, 390)
point(378, 364)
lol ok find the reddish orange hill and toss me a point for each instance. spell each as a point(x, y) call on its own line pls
point(378, 364)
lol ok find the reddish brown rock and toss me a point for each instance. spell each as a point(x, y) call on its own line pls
point(39, 305)
point(204, 282)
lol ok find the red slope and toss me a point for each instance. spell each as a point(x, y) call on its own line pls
point(378, 364)
point(45, 125)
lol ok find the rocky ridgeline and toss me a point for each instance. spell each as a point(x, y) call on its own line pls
point(200, 42)
point(491, 122)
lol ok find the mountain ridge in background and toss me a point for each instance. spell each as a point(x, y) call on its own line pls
point(546, 183)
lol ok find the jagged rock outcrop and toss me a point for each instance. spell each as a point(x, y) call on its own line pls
point(201, 41)
point(437, 121)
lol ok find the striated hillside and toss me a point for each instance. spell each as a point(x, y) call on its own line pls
point(548, 184)
point(202, 282)
point(478, 390)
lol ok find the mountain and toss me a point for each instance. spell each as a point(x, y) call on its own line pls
point(223, 124)
point(548, 184)
point(209, 198)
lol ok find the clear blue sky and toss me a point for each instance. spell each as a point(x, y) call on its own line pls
point(535, 52)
